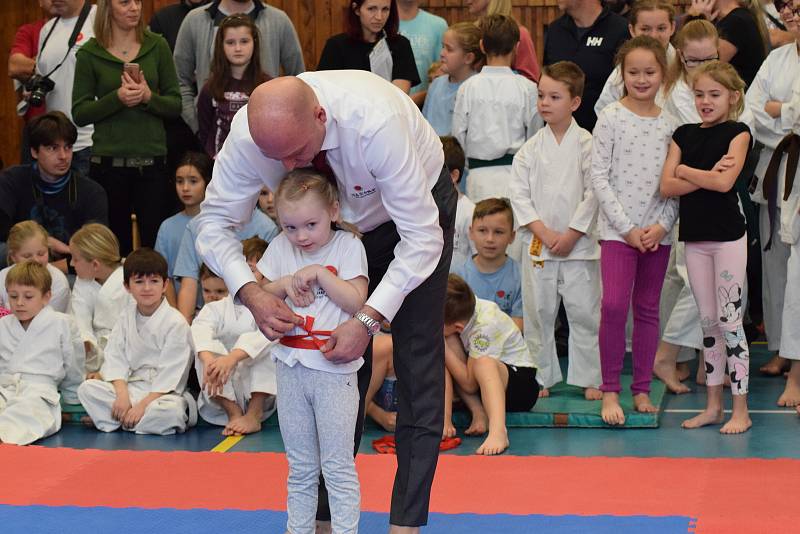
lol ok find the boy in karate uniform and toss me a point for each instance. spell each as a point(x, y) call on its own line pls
point(147, 359)
point(556, 209)
point(39, 348)
point(233, 364)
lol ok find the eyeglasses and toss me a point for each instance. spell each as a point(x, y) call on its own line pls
point(780, 5)
point(696, 62)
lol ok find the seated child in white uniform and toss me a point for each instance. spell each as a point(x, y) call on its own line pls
point(236, 374)
point(489, 363)
point(98, 295)
point(147, 359)
point(39, 348)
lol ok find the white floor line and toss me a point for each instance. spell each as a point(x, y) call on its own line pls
point(787, 411)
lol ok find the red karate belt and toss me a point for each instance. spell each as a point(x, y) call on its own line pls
point(387, 444)
point(309, 340)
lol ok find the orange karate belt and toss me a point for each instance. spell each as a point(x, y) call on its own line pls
point(309, 340)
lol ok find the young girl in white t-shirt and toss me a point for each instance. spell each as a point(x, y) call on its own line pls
point(322, 273)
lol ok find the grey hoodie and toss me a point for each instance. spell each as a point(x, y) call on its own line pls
point(194, 49)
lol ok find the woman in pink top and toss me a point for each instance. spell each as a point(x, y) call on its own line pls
point(525, 63)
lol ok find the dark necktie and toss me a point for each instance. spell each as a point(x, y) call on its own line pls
point(320, 164)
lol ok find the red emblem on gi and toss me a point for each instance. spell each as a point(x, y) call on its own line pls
point(332, 269)
point(501, 293)
point(357, 187)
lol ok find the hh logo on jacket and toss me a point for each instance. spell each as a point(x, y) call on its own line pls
point(594, 41)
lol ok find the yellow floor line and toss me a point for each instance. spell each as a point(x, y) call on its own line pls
point(226, 444)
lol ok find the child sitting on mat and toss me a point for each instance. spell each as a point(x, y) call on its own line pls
point(488, 362)
point(233, 365)
point(322, 274)
point(39, 348)
point(147, 359)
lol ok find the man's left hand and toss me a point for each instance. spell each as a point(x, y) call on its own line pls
point(347, 343)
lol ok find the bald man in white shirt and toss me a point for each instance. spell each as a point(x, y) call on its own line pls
point(393, 185)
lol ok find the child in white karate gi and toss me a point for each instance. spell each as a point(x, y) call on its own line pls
point(27, 241)
point(322, 274)
point(463, 247)
point(147, 359)
point(236, 374)
point(551, 193)
point(98, 295)
point(39, 348)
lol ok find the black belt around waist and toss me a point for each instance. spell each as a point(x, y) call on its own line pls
point(132, 162)
point(506, 159)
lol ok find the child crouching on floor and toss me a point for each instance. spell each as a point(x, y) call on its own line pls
point(236, 374)
point(147, 359)
point(39, 348)
point(489, 363)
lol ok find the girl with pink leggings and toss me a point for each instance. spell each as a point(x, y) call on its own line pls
point(702, 166)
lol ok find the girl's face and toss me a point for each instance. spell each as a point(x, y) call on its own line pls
point(713, 100)
point(695, 53)
point(125, 14)
point(238, 46)
point(654, 23)
point(642, 74)
point(452, 56)
point(83, 267)
point(477, 7)
point(373, 15)
point(266, 203)
point(214, 289)
point(307, 221)
point(189, 185)
point(32, 249)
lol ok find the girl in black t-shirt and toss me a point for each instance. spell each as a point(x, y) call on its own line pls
point(702, 166)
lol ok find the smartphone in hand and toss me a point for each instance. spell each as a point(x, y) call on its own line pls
point(133, 70)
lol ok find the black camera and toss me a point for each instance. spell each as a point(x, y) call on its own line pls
point(38, 86)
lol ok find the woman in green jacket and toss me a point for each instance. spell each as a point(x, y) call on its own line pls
point(126, 85)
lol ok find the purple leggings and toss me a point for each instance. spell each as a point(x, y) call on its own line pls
point(717, 272)
point(627, 273)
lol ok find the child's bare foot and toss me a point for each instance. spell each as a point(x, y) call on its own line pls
point(706, 417)
point(323, 527)
point(791, 394)
point(776, 366)
point(643, 404)
point(798, 410)
point(668, 374)
point(611, 412)
point(544, 392)
point(479, 424)
point(495, 443)
point(449, 430)
point(387, 420)
point(592, 394)
point(682, 370)
point(737, 424)
point(87, 421)
point(245, 424)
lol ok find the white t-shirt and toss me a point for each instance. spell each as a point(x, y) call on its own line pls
point(345, 256)
point(490, 332)
point(463, 247)
point(60, 98)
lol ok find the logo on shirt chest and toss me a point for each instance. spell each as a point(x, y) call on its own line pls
point(359, 192)
point(594, 41)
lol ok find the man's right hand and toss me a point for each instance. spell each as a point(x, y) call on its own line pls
point(272, 315)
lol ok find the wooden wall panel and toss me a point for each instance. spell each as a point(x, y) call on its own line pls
point(314, 20)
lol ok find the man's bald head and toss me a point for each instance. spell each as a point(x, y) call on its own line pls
point(284, 116)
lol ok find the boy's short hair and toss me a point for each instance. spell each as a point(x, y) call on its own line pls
point(491, 206)
point(253, 247)
point(459, 305)
point(499, 33)
point(453, 154)
point(569, 74)
point(50, 128)
point(29, 273)
point(206, 272)
point(144, 262)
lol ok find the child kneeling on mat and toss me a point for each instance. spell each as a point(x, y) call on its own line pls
point(489, 361)
point(147, 359)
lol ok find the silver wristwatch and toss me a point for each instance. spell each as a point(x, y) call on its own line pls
point(372, 326)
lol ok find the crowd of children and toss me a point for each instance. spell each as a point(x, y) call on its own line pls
point(553, 216)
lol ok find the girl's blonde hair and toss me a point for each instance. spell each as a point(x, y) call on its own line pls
point(499, 7)
point(95, 241)
point(651, 5)
point(102, 24)
point(299, 182)
point(642, 42)
point(725, 75)
point(22, 232)
point(694, 30)
point(468, 36)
